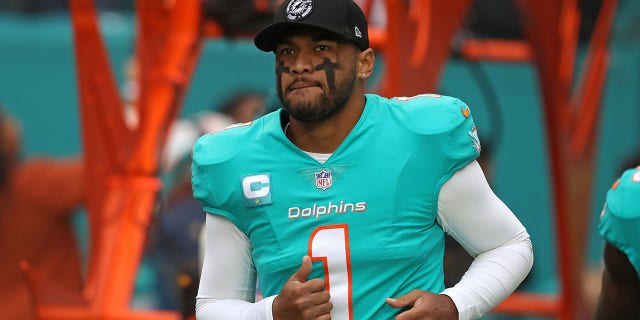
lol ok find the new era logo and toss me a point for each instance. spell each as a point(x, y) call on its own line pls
point(358, 33)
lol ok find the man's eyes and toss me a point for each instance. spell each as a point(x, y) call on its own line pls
point(290, 51)
point(286, 51)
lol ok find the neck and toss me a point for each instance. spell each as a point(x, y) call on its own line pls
point(325, 136)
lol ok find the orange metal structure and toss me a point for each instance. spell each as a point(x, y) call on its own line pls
point(122, 161)
point(551, 28)
point(416, 42)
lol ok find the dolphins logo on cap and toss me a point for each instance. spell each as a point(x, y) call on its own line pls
point(299, 9)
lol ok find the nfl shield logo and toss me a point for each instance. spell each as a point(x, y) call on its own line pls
point(323, 179)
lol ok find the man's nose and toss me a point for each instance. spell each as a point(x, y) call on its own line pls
point(302, 64)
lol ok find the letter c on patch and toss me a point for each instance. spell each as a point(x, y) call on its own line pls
point(256, 186)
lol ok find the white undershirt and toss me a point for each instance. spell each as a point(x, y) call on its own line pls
point(468, 210)
point(320, 157)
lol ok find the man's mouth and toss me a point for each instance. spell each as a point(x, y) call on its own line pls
point(302, 84)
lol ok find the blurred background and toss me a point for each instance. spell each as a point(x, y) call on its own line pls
point(39, 88)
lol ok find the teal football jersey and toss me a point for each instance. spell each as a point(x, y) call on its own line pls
point(367, 216)
point(620, 220)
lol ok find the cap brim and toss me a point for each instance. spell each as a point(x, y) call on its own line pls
point(267, 39)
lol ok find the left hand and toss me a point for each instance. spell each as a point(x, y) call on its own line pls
point(424, 305)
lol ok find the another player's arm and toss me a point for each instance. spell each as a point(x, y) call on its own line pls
point(620, 287)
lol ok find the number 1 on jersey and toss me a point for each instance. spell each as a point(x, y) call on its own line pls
point(330, 245)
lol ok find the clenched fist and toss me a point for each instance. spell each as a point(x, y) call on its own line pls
point(302, 299)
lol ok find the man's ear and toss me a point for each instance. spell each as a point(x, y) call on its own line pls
point(366, 63)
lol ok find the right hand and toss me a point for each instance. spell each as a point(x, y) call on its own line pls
point(300, 299)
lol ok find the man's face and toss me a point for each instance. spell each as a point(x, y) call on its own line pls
point(315, 73)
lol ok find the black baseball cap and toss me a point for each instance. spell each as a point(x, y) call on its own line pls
point(342, 17)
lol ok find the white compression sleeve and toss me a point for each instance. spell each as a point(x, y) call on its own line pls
point(473, 215)
point(227, 289)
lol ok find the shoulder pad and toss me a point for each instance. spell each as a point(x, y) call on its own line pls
point(431, 113)
point(623, 199)
point(222, 145)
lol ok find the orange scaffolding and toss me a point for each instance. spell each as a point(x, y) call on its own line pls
point(416, 42)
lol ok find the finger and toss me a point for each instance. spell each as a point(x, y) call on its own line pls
point(410, 314)
point(394, 303)
point(404, 301)
point(324, 309)
point(304, 270)
point(320, 297)
point(316, 285)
